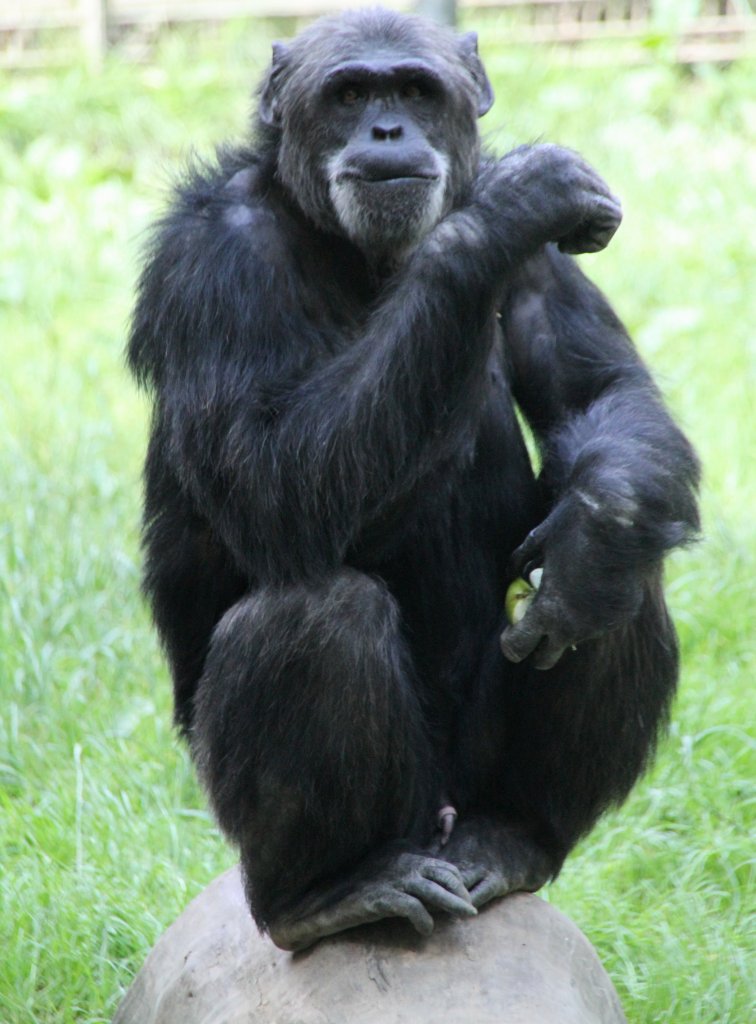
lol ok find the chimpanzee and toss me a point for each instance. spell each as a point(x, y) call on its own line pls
point(337, 323)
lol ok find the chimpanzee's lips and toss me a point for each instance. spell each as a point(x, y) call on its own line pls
point(389, 179)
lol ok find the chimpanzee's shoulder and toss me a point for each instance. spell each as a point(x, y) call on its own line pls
point(226, 203)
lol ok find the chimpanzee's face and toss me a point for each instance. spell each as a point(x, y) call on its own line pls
point(378, 138)
point(388, 177)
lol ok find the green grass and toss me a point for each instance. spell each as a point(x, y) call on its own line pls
point(104, 835)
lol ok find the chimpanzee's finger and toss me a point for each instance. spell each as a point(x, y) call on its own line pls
point(438, 897)
point(520, 640)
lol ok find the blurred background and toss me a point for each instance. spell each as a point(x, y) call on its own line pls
point(104, 834)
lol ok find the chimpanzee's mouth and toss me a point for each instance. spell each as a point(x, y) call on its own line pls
point(391, 179)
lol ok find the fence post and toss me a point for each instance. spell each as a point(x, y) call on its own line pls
point(94, 30)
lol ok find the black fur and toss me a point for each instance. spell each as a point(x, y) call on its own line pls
point(338, 492)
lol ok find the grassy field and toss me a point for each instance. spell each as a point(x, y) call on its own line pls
point(104, 835)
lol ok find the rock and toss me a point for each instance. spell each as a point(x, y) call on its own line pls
point(519, 962)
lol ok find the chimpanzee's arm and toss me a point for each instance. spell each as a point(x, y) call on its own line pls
point(620, 476)
point(279, 431)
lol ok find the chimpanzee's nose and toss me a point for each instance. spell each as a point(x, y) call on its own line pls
point(381, 133)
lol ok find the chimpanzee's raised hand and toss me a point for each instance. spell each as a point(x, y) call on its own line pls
point(584, 591)
point(547, 193)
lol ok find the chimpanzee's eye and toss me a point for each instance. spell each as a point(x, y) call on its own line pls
point(413, 91)
point(351, 94)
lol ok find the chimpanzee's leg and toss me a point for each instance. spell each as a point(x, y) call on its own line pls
point(309, 737)
point(543, 753)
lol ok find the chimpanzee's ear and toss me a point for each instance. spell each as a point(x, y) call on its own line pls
point(269, 108)
point(468, 44)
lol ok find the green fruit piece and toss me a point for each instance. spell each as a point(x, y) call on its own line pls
point(516, 603)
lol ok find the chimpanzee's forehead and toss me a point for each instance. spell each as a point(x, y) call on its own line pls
point(372, 38)
point(334, 58)
point(376, 35)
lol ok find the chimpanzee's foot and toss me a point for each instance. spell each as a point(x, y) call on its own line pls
point(494, 860)
point(410, 885)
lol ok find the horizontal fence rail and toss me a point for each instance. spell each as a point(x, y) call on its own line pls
point(41, 32)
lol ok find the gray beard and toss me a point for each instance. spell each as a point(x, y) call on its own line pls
point(385, 217)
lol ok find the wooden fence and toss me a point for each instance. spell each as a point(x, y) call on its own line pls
point(40, 32)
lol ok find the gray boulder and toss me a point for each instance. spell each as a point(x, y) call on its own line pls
point(519, 962)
